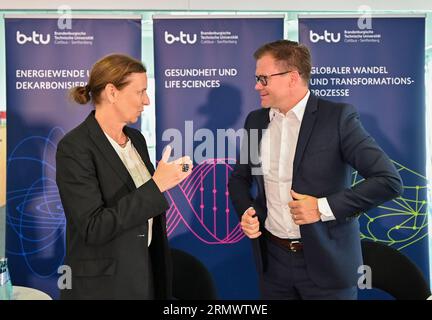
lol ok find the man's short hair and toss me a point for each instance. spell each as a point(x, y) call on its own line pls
point(290, 54)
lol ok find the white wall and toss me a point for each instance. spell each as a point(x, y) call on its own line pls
point(248, 5)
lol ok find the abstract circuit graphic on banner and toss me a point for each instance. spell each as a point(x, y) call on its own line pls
point(365, 63)
point(44, 60)
point(204, 72)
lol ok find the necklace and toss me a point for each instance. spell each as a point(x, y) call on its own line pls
point(124, 143)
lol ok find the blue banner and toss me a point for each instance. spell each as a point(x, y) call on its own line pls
point(204, 72)
point(378, 66)
point(44, 59)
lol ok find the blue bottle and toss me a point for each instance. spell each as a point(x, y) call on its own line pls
point(6, 291)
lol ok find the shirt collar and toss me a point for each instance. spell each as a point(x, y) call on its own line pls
point(298, 109)
point(116, 145)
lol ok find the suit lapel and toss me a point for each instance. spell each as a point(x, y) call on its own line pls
point(107, 151)
point(306, 127)
point(263, 123)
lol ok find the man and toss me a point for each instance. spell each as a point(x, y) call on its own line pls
point(303, 221)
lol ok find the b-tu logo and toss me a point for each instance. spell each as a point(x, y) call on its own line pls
point(35, 38)
point(184, 38)
point(327, 37)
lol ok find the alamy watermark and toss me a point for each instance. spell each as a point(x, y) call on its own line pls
point(365, 20)
point(64, 281)
point(204, 144)
point(365, 279)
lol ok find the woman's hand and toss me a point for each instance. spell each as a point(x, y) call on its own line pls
point(170, 174)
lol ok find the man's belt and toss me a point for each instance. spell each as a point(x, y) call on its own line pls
point(293, 245)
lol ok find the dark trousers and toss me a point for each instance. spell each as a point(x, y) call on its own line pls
point(286, 278)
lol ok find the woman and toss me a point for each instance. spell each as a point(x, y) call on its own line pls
point(116, 243)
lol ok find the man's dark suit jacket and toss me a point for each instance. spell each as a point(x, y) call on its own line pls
point(331, 141)
point(107, 219)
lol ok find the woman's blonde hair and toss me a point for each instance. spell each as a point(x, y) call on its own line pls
point(114, 69)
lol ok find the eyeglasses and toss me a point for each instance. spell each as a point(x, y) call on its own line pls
point(264, 79)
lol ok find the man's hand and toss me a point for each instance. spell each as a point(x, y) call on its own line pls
point(170, 174)
point(304, 208)
point(250, 224)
